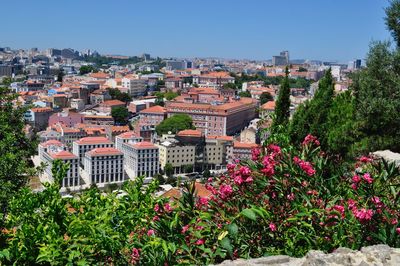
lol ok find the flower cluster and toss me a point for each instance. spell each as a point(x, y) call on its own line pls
point(310, 139)
point(305, 166)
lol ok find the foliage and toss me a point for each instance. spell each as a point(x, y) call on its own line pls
point(15, 149)
point(118, 95)
point(280, 202)
point(60, 76)
point(377, 99)
point(87, 69)
point(313, 116)
point(245, 93)
point(120, 114)
point(341, 128)
point(265, 97)
point(169, 169)
point(230, 86)
point(104, 60)
point(392, 20)
point(175, 124)
point(282, 109)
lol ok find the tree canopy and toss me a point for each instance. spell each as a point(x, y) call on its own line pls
point(265, 97)
point(282, 109)
point(118, 95)
point(175, 123)
point(87, 69)
point(120, 114)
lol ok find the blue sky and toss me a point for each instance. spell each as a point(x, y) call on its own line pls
point(255, 29)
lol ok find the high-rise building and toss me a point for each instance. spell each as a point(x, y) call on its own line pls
point(282, 59)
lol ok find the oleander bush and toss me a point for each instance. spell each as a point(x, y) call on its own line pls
point(286, 200)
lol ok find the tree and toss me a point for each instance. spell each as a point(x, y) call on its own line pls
point(313, 116)
point(245, 93)
point(230, 86)
point(392, 20)
point(175, 124)
point(169, 170)
point(341, 130)
point(15, 149)
point(120, 114)
point(170, 95)
point(282, 109)
point(87, 69)
point(60, 75)
point(377, 99)
point(265, 97)
point(118, 95)
point(159, 178)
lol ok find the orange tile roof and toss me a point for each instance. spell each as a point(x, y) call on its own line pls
point(99, 75)
point(229, 138)
point(268, 105)
point(128, 135)
point(143, 145)
point(63, 155)
point(98, 116)
point(93, 140)
point(104, 151)
point(190, 132)
point(115, 129)
point(41, 109)
point(112, 103)
point(203, 91)
point(156, 109)
point(244, 145)
point(51, 142)
point(200, 189)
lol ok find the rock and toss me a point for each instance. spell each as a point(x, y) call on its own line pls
point(378, 255)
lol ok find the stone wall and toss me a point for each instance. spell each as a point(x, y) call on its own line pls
point(378, 255)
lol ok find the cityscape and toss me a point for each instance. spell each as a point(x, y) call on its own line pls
point(112, 158)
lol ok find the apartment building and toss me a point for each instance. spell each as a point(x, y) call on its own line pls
point(136, 87)
point(80, 147)
point(217, 119)
point(127, 137)
point(216, 151)
point(141, 158)
point(177, 154)
point(104, 166)
point(242, 151)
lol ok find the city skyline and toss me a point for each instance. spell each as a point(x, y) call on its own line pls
point(329, 31)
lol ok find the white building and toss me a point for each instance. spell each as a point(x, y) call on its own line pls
point(136, 87)
point(176, 154)
point(104, 166)
point(141, 158)
point(80, 147)
point(130, 136)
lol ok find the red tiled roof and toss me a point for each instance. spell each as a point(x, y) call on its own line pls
point(93, 140)
point(63, 155)
point(229, 138)
point(244, 145)
point(128, 135)
point(200, 189)
point(144, 145)
point(51, 142)
point(104, 151)
point(41, 109)
point(156, 109)
point(112, 103)
point(268, 105)
point(190, 132)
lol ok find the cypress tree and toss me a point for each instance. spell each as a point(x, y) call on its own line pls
point(282, 109)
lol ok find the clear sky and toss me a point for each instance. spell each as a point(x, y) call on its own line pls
point(253, 29)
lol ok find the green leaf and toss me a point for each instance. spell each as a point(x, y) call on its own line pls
point(248, 213)
point(226, 244)
point(233, 229)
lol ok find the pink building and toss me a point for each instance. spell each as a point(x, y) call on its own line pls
point(67, 118)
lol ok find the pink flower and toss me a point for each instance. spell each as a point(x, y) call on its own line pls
point(245, 171)
point(249, 180)
point(225, 191)
point(156, 208)
point(310, 139)
point(394, 221)
point(354, 186)
point(377, 201)
point(200, 242)
point(230, 166)
point(274, 149)
point(398, 230)
point(238, 180)
point(290, 197)
point(167, 207)
point(367, 177)
point(255, 154)
point(365, 159)
point(156, 218)
point(356, 179)
point(363, 215)
point(150, 232)
point(268, 171)
point(340, 209)
point(305, 166)
point(209, 180)
point(272, 227)
point(135, 256)
point(351, 203)
point(203, 201)
point(184, 229)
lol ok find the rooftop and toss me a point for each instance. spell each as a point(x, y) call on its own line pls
point(189, 133)
point(144, 145)
point(244, 145)
point(156, 109)
point(93, 140)
point(268, 105)
point(63, 155)
point(51, 142)
point(104, 151)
